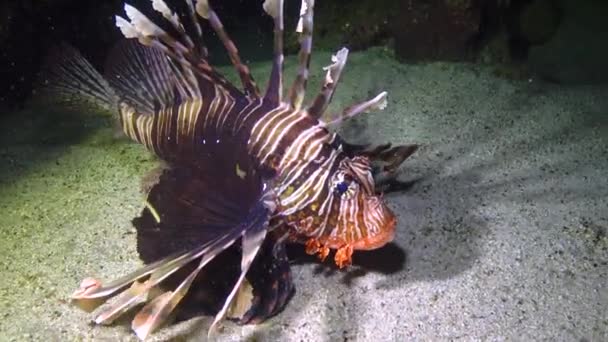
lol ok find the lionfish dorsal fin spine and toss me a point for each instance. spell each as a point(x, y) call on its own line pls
point(305, 27)
point(161, 7)
point(188, 54)
point(202, 8)
point(152, 35)
point(274, 90)
point(334, 70)
point(207, 12)
point(378, 102)
point(198, 31)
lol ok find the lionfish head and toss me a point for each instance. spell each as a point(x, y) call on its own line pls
point(349, 216)
point(364, 221)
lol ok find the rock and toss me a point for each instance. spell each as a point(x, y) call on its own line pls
point(577, 52)
point(436, 29)
point(538, 21)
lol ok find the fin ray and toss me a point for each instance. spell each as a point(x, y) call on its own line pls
point(191, 57)
point(252, 241)
point(274, 90)
point(68, 78)
point(320, 103)
point(141, 75)
point(305, 27)
point(206, 11)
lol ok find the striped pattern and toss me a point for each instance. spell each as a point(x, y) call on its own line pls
point(240, 164)
point(290, 142)
point(174, 129)
point(323, 194)
point(309, 168)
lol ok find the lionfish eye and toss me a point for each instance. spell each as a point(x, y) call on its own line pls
point(342, 187)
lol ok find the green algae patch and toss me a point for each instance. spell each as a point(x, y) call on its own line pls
point(65, 211)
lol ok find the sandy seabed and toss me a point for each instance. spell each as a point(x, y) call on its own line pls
point(503, 236)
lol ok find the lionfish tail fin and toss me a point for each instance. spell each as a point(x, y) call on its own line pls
point(143, 77)
point(68, 79)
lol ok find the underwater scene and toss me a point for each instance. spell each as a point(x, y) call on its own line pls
point(301, 170)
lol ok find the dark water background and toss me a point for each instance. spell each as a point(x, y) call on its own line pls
point(562, 40)
point(503, 237)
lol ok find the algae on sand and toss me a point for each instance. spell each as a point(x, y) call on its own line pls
point(68, 190)
point(502, 237)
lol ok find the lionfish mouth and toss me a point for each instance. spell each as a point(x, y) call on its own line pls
point(384, 232)
point(386, 235)
point(380, 230)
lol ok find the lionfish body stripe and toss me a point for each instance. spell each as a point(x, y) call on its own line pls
point(241, 165)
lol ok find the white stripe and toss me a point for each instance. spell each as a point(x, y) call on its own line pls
point(261, 125)
point(298, 144)
point(222, 111)
point(232, 104)
point(315, 182)
point(277, 139)
point(196, 111)
point(298, 167)
point(257, 104)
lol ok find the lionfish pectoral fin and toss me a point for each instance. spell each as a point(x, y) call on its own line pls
point(242, 302)
point(92, 293)
point(126, 300)
point(155, 313)
point(152, 315)
point(90, 296)
point(252, 240)
point(271, 281)
point(251, 246)
point(80, 296)
point(194, 209)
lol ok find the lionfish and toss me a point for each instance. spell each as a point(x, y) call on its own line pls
point(240, 165)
